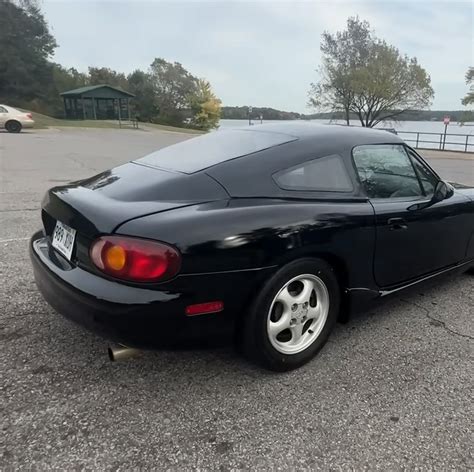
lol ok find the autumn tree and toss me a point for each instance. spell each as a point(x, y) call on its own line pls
point(365, 76)
point(205, 107)
point(172, 86)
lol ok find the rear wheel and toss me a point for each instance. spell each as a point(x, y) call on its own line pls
point(292, 317)
point(13, 126)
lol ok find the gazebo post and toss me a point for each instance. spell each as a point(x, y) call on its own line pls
point(119, 113)
point(93, 108)
point(83, 108)
point(128, 108)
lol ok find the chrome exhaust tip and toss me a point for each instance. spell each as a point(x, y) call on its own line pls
point(119, 352)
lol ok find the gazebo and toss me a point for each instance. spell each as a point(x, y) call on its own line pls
point(97, 102)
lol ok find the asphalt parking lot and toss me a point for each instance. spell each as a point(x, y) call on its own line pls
point(391, 390)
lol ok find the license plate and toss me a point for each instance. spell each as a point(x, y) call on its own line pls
point(63, 239)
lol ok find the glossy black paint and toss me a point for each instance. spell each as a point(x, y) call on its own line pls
point(234, 228)
point(428, 240)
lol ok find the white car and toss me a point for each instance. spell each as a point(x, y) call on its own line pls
point(14, 120)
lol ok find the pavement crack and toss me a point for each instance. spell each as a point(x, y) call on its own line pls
point(438, 322)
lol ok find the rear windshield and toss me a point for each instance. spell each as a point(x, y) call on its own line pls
point(210, 149)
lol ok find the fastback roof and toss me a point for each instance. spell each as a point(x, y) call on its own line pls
point(307, 129)
point(245, 144)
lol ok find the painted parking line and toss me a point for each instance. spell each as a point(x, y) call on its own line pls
point(13, 239)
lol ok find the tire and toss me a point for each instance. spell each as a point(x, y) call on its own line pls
point(309, 310)
point(13, 126)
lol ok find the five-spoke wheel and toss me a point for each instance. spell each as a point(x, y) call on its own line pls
point(298, 314)
point(292, 316)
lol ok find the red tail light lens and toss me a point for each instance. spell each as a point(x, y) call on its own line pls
point(136, 260)
point(29, 115)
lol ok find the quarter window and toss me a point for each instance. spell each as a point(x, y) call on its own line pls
point(386, 171)
point(325, 174)
point(3, 110)
point(428, 179)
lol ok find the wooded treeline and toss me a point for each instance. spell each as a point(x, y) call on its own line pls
point(361, 77)
point(165, 93)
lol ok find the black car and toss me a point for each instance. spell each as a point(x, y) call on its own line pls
point(265, 235)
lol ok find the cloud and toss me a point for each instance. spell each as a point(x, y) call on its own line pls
point(261, 52)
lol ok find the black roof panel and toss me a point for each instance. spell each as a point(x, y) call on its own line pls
point(214, 148)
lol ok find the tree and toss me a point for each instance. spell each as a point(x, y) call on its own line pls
point(469, 98)
point(26, 46)
point(342, 53)
point(366, 76)
point(205, 107)
point(104, 75)
point(172, 86)
point(141, 85)
point(62, 79)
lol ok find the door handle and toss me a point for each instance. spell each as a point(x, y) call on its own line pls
point(397, 223)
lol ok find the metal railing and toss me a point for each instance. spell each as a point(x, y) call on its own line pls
point(457, 142)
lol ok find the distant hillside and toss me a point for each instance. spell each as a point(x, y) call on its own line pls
point(241, 113)
point(415, 115)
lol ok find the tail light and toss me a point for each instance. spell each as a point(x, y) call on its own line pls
point(136, 260)
point(29, 115)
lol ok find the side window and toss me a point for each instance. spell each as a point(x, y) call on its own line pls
point(428, 179)
point(325, 174)
point(3, 110)
point(385, 170)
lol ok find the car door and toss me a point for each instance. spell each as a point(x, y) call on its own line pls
point(411, 240)
point(3, 116)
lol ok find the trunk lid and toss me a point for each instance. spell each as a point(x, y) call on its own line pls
point(101, 203)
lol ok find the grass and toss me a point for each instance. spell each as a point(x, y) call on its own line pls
point(45, 121)
point(171, 128)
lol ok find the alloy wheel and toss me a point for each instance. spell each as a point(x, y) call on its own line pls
point(298, 314)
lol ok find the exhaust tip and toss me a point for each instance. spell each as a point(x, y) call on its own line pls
point(119, 352)
point(110, 352)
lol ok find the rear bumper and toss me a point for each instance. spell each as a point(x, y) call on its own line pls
point(28, 124)
point(137, 316)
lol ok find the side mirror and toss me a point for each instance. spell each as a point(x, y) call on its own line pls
point(442, 191)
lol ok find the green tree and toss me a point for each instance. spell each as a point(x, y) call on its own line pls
point(469, 98)
point(172, 86)
point(104, 75)
point(141, 85)
point(368, 77)
point(62, 79)
point(205, 107)
point(25, 48)
point(342, 53)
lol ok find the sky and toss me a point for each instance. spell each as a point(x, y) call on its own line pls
point(260, 53)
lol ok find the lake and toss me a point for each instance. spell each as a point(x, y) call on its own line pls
point(404, 128)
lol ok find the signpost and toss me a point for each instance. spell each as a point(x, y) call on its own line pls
point(446, 121)
point(250, 116)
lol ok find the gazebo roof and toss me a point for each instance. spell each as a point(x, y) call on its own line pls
point(98, 91)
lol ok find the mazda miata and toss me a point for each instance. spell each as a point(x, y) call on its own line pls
point(265, 235)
